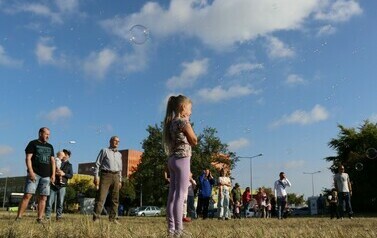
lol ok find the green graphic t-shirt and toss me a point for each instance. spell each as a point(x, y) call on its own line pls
point(41, 159)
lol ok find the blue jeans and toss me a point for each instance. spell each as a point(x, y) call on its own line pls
point(345, 203)
point(191, 207)
point(56, 195)
point(281, 202)
point(40, 185)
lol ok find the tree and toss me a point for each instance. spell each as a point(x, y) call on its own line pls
point(295, 199)
point(356, 151)
point(149, 176)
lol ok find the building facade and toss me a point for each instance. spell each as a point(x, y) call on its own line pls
point(130, 161)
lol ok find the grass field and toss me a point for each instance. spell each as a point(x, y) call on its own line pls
point(82, 226)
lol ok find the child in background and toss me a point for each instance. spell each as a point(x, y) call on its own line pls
point(333, 201)
point(237, 210)
point(268, 208)
point(58, 164)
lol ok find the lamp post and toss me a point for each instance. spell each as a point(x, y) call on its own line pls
point(312, 173)
point(251, 168)
point(5, 189)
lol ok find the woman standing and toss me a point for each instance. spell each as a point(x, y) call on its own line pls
point(223, 201)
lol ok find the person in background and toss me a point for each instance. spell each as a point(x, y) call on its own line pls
point(108, 176)
point(191, 198)
point(246, 198)
point(268, 208)
point(281, 194)
point(178, 137)
point(206, 183)
point(237, 210)
point(236, 196)
point(58, 190)
point(333, 202)
point(40, 164)
point(224, 195)
point(343, 186)
point(261, 201)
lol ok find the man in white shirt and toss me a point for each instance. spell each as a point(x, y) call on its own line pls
point(280, 193)
point(343, 186)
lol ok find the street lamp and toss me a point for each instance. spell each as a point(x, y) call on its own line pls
point(5, 189)
point(312, 173)
point(251, 168)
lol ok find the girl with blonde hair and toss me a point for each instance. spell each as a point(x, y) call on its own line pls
point(178, 137)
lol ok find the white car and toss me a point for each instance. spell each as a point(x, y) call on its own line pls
point(147, 211)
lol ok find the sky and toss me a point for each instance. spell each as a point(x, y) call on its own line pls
point(273, 77)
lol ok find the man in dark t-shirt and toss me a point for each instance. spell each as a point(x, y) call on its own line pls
point(40, 164)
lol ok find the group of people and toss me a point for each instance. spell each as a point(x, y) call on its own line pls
point(340, 198)
point(48, 177)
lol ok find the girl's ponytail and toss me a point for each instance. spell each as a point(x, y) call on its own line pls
point(170, 114)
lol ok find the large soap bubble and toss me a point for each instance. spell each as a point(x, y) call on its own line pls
point(139, 34)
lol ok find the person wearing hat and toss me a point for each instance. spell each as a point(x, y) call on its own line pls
point(236, 198)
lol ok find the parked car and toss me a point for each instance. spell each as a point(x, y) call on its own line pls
point(145, 211)
point(302, 211)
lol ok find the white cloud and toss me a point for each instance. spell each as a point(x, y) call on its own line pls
point(135, 61)
point(294, 79)
point(317, 114)
point(339, 11)
point(5, 150)
point(294, 164)
point(5, 60)
point(67, 5)
point(373, 118)
point(237, 69)
point(326, 30)
point(219, 93)
point(58, 114)
point(277, 49)
point(45, 9)
point(219, 24)
point(98, 63)
point(189, 75)
point(37, 10)
point(238, 144)
point(45, 51)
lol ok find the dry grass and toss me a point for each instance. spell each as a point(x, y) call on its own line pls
point(82, 226)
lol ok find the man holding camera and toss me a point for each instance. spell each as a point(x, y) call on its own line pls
point(206, 182)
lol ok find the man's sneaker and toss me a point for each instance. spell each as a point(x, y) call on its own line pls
point(115, 221)
point(58, 219)
point(18, 219)
point(182, 234)
point(41, 221)
point(186, 219)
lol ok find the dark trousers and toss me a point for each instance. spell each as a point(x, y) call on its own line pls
point(334, 210)
point(344, 204)
point(109, 185)
point(205, 205)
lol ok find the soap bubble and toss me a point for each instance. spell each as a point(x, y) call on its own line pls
point(371, 153)
point(139, 34)
point(359, 166)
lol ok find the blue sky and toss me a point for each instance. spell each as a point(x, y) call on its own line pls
point(273, 77)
